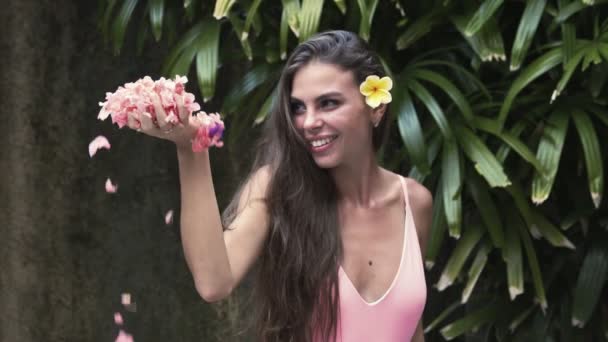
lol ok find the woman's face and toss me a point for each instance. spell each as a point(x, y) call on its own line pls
point(330, 113)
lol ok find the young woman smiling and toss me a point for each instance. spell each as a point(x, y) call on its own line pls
point(339, 240)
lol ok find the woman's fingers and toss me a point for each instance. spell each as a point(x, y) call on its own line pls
point(182, 112)
point(161, 116)
point(132, 122)
point(146, 123)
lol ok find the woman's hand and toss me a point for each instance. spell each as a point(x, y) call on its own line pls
point(167, 127)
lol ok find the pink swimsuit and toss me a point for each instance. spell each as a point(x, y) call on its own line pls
point(395, 315)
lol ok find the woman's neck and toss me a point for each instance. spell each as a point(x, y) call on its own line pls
point(360, 184)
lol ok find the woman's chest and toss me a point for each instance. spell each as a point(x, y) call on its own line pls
point(372, 250)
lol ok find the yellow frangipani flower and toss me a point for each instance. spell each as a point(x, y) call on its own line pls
point(376, 90)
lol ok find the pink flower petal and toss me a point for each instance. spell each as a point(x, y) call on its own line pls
point(118, 318)
point(125, 298)
point(169, 217)
point(123, 337)
point(99, 142)
point(111, 188)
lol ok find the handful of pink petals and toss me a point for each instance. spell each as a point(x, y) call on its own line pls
point(131, 101)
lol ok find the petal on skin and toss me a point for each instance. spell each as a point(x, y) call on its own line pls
point(123, 337)
point(385, 83)
point(111, 188)
point(118, 318)
point(169, 217)
point(99, 142)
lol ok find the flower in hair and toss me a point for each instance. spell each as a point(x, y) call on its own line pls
point(376, 90)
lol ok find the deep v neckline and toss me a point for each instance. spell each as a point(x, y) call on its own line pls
point(396, 277)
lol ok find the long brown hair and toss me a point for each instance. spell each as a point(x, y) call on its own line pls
point(296, 284)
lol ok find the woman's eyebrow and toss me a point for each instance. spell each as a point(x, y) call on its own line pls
point(320, 97)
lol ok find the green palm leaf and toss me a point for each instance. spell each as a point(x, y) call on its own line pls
point(252, 12)
point(442, 316)
point(341, 5)
point(592, 153)
point(411, 130)
point(367, 9)
point(471, 321)
point(185, 46)
point(119, 26)
point(418, 29)
point(239, 26)
point(485, 162)
point(486, 42)
point(538, 224)
point(479, 263)
point(590, 282)
point(549, 153)
point(536, 69)
point(432, 106)
point(568, 35)
point(291, 8)
point(252, 80)
point(537, 278)
point(310, 16)
point(157, 9)
point(487, 208)
point(207, 58)
point(438, 228)
point(481, 16)
point(526, 30)
point(451, 179)
point(448, 87)
point(512, 255)
point(222, 7)
point(461, 252)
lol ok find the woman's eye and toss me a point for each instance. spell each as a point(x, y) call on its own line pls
point(297, 108)
point(329, 103)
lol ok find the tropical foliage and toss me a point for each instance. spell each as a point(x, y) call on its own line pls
point(499, 107)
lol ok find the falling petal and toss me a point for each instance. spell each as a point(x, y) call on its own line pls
point(99, 142)
point(125, 298)
point(111, 188)
point(123, 337)
point(169, 217)
point(118, 318)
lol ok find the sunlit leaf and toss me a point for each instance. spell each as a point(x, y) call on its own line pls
point(481, 16)
point(526, 30)
point(477, 267)
point(222, 7)
point(461, 252)
point(549, 153)
point(207, 58)
point(157, 9)
point(592, 153)
point(309, 18)
point(484, 161)
point(451, 178)
point(410, 129)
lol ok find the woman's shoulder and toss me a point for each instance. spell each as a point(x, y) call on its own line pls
point(421, 202)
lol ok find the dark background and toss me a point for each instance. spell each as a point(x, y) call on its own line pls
point(67, 248)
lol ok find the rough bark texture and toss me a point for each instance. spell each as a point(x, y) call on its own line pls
point(68, 250)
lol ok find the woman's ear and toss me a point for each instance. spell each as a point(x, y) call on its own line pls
point(377, 114)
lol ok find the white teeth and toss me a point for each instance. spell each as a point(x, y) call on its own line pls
point(318, 143)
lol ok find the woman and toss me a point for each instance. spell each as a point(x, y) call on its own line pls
point(338, 239)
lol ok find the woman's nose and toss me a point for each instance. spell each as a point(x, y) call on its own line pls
point(311, 120)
